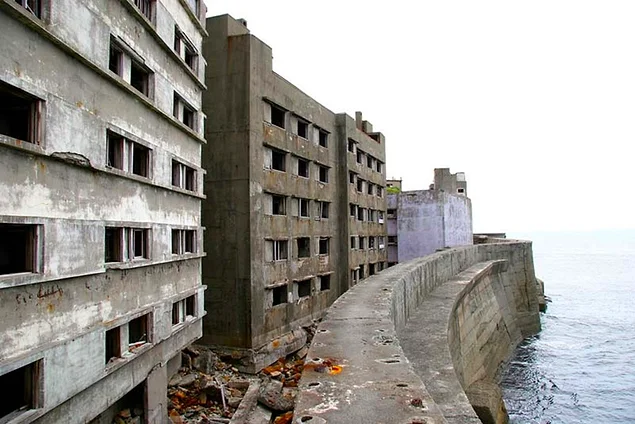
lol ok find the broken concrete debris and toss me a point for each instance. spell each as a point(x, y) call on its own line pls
point(209, 390)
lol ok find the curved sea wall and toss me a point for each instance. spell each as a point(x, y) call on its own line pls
point(422, 341)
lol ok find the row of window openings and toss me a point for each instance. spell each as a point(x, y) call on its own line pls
point(302, 128)
point(360, 273)
point(359, 242)
point(139, 76)
point(277, 160)
point(370, 187)
point(135, 158)
point(371, 162)
point(278, 250)
point(303, 288)
point(20, 116)
point(364, 214)
point(25, 382)
point(128, 244)
point(300, 207)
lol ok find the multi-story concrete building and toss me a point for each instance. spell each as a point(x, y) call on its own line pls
point(288, 184)
point(101, 133)
point(422, 221)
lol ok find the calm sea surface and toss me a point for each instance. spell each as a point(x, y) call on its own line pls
point(581, 367)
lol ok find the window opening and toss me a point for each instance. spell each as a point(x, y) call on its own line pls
point(325, 282)
point(145, 6)
point(360, 185)
point(113, 344)
point(183, 176)
point(303, 129)
point(351, 177)
point(113, 245)
point(303, 168)
point(138, 332)
point(278, 160)
point(324, 174)
point(33, 6)
point(18, 248)
point(278, 205)
point(323, 138)
point(277, 116)
point(21, 389)
point(324, 246)
point(140, 78)
point(20, 114)
point(304, 288)
point(324, 209)
point(303, 207)
point(279, 295)
point(304, 247)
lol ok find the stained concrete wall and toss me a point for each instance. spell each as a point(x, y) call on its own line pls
point(59, 314)
point(240, 182)
point(428, 220)
point(358, 370)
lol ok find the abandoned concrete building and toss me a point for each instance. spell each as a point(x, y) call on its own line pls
point(295, 203)
point(420, 222)
point(101, 132)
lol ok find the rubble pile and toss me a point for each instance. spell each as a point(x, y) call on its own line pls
point(205, 390)
point(129, 416)
point(208, 390)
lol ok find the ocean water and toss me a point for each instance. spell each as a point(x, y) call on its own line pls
point(581, 367)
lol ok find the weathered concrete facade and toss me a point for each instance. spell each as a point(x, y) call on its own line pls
point(422, 221)
point(281, 182)
point(101, 183)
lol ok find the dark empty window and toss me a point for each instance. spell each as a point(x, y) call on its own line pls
point(113, 344)
point(139, 243)
point(113, 245)
point(360, 156)
point(351, 177)
point(183, 176)
point(353, 209)
point(184, 49)
point(323, 138)
point(278, 116)
point(324, 174)
point(371, 269)
point(115, 144)
point(183, 241)
point(391, 213)
point(304, 247)
point(351, 145)
point(392, 240)
point(361, 271)
point(303, 207)
point(145, 6)
point(303, 129)
point(138, 331)
point(140, 78)
point(304, 288)
point(182, 309)
point(184, 112)
point(370, 188)
point(19, 114)
point(140, 160)
point(353, 240)
point(380, 191)
point(371, 242)
point(369, 161)
point(324, 209)
point(460, 190)
point(324, 246)
point(21, 389)
point(379, 166)
point(18, 248)
point(303, 168)
point(362, 242)
point(360, 185)
point(360, 214)
point(325, 282)
point(278, 160)
point(278, 205)
point(190, 306)
point(115, 61)
point(279, 295)
point(33, 6)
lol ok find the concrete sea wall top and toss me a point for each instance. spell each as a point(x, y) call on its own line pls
point(356, 368)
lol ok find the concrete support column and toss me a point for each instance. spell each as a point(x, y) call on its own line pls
point(157, 400)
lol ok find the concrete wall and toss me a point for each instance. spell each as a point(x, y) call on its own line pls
point(428, 220)
point(57, 316)
point(357, 368)
point(241, 181)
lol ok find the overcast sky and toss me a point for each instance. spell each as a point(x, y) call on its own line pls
point(533, 100)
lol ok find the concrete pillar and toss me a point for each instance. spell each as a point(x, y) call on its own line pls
point(157, 399)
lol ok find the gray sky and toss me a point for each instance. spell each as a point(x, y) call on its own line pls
point(533, 100)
